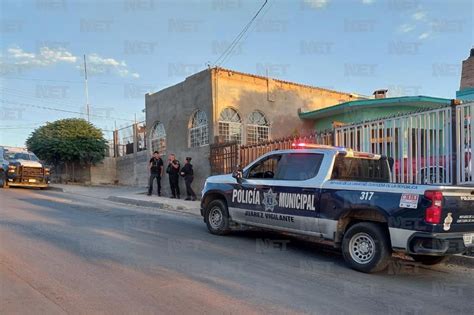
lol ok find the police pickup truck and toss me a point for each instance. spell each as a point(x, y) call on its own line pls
point(344, 198)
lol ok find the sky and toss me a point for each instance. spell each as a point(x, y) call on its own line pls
point(132, 47)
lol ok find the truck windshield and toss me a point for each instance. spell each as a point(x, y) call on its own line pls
point(20, 156)
point(362, 170)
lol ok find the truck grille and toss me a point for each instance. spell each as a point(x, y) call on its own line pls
point(31, 171)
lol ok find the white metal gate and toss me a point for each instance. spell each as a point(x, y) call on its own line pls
point(465, 143)
point(420, 144)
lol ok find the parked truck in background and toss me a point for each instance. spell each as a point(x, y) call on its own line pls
point(21, 168)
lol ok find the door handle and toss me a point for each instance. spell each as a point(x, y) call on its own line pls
point(311, 190)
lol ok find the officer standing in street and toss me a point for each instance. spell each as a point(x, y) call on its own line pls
point(156, 171)
point(173, 173)
point(188, 174)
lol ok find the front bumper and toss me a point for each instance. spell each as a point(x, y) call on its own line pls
point(17, 181)
point(437, 244)
point(31, 185)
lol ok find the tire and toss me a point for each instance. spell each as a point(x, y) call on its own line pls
point(428, 260)
point(216, 217)
point(366, 247)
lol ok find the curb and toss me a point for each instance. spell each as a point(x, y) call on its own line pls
point(149, 204)
point(461, 261)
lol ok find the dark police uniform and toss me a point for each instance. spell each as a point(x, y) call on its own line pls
point(155, 172)
point(188, 174)
point(173, 174)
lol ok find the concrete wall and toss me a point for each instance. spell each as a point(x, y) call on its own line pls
point(104, 173)
point(174, 107)
point(132, 169)
point(278, 100)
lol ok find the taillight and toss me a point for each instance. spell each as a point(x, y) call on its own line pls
point(433, 212)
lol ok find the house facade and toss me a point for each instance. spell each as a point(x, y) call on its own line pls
point(222, 105)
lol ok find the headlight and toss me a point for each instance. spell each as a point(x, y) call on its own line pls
point(46, 171)
point(11, 168)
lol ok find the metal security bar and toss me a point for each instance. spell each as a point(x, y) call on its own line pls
point(249, 153)
point(420, 144)
point(465, 143)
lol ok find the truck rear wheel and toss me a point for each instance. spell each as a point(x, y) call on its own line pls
point(217, 217)
point(366, 248)
point(428, 260)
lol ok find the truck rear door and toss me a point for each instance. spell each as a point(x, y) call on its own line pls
point(458, 209)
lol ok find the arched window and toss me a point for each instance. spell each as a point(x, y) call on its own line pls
point(158, 138)
point(230, 125)
point(258, 128)
point(198, 129)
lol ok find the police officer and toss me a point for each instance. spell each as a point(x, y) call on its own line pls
point(188, 174)
point(155, 165)
point(173, 173)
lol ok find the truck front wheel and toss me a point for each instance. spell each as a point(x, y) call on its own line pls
point(216, 217)
point(366, 248)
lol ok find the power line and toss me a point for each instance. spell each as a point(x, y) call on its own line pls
point(236, 40)
point(60, 81)
point(61, 110)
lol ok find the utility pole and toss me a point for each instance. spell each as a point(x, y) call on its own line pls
point(87, 91)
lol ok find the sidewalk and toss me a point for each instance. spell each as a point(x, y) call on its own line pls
point(135, 196)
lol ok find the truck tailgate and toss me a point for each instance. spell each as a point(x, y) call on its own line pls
point(458, 209)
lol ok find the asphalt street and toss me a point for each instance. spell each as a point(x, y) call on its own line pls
point(64, 253)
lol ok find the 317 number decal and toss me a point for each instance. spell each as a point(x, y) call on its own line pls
point(366, 195)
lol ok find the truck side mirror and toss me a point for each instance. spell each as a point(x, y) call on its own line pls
point(238, 175)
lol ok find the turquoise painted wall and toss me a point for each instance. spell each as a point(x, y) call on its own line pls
point(465, 94)
point(352, 116)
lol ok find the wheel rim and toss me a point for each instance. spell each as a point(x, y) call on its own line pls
point(362, 248)
point(215, 217)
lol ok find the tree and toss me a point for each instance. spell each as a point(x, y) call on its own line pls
point(68, 141)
